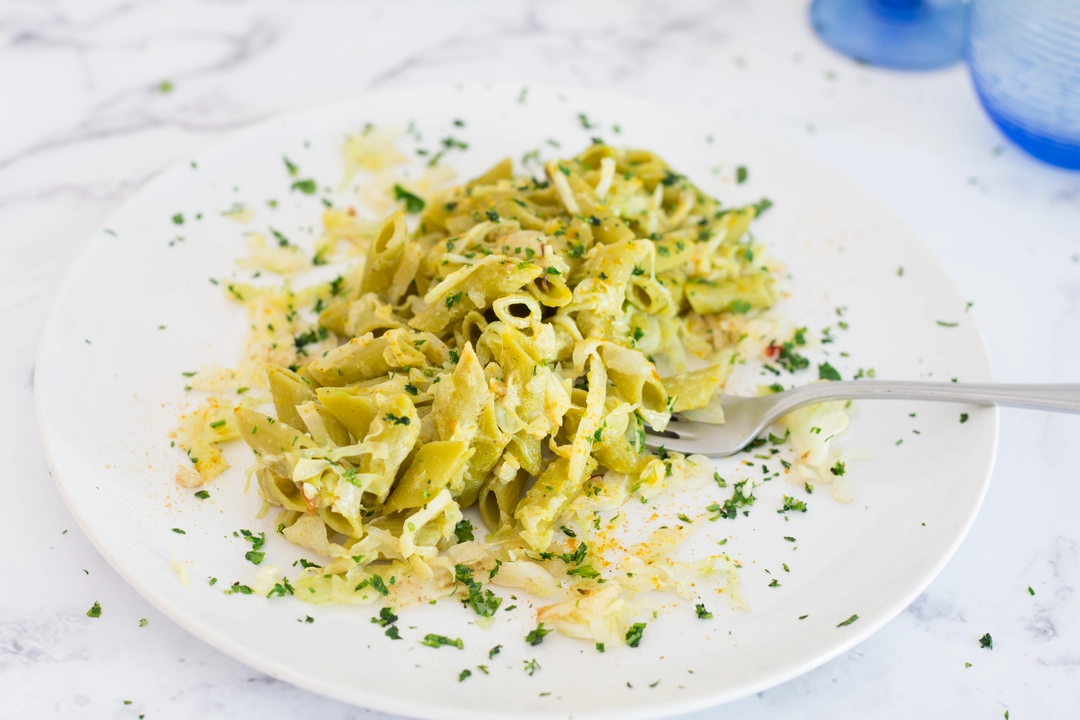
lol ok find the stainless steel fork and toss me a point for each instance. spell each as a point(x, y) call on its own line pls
point(746, 417)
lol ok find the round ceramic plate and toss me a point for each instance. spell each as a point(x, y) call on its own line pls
point(137, 310)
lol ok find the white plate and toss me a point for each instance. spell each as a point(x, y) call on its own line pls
point(109, 388)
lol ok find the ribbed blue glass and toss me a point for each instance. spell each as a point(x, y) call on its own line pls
point(1025, 63)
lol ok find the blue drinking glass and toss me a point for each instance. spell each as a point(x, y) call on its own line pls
point(1024, 57)
point(898, 34)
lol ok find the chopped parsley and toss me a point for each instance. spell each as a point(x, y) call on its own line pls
point(984, 642)
point(788, 359)
point(838, 469)
point(633, 635)
point(730, 509)
point(850, 620)
point(396, 420)
point(282, 241)
point(386, 617)
point(702, 613)
point(255, 556)
point(377, 583)
point(483, 602)
point(281, 589)
point(464, 674)
point(792, 504)
point(584, 571)
point(827, 372)
point(963, 418)
point(413, 203)
point(94, 611)
point(438, 641)
point(464, 531)
point(741, 174)
point(536, 636)
point(305, 186)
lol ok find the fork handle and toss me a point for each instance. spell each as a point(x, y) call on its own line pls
point(1060, 398)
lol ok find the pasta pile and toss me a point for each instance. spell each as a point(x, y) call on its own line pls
point(503, 355)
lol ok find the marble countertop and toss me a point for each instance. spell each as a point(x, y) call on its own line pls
point(85, 123)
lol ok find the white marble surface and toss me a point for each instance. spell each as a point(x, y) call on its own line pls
point(83, 125)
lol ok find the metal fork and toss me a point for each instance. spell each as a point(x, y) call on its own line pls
point(746, 417)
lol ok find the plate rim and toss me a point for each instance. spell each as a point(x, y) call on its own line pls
point(388, 703)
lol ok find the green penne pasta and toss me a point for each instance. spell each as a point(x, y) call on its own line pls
point(288, 390)
point(268, 436)
point(709, 297)
point(353, 410)
point(693, 390)
point(499, 500)
point(385, 254)
point(482, 283)
point(434, 467)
